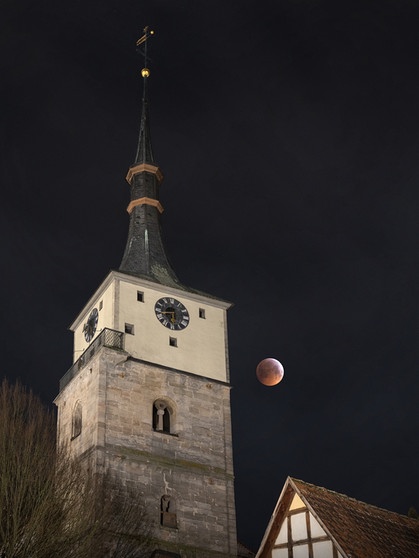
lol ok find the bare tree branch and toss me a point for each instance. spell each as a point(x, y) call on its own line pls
point(50, 505)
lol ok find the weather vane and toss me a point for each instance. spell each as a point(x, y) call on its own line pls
point(145, 72)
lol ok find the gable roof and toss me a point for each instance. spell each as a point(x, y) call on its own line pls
point(357, 530)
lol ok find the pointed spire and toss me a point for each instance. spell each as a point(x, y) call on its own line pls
point(144, 150)
point(145, 254)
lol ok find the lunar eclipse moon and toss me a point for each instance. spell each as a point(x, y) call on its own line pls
point(269, 372)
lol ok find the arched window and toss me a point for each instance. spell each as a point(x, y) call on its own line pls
point(76, 423)
point(161, 416)
point(168, 512)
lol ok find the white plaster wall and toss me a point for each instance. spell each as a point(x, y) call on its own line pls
point(106, 318)
point(283, 533)
point(299, 527)
point(315, 528)
point(201, 346)
point(323, 549)
point(300, 551)
point(280, 553)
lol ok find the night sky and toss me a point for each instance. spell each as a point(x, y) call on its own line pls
point(288, 134)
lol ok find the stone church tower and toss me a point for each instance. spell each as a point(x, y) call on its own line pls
point(148, 394)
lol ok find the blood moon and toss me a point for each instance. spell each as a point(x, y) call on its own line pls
point(269, 372)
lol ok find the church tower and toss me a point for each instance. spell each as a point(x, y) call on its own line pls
point(148, 395)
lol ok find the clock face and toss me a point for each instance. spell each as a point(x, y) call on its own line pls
point(89, 328)
point(171, 313)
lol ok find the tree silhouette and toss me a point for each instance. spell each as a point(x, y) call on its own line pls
point(50, 504)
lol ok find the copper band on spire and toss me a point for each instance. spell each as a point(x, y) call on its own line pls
point(143, 167)
point(145, 201)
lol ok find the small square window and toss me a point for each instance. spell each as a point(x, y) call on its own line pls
point(101, 305)
point(173, 341)
point(140, 296)
point(129, 328)
point(202, 313)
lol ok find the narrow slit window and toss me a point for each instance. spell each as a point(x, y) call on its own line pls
point(173, 341)
point(76, 425)
point(101, 305)
point(140, 296)
point(168, 512)
point(202, 313)
point(129, 328)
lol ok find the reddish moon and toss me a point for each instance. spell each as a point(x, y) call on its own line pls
point(269, 372)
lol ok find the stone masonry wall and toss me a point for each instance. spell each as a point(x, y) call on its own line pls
point(193, 464)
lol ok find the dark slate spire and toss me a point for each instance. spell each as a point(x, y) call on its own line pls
point(144, 149)
point(144, 254)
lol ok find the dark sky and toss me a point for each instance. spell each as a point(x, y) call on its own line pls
point(288, 133)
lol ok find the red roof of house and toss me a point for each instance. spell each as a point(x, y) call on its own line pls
point(359, 529)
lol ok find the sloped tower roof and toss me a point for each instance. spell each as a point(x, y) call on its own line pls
point(145, 254)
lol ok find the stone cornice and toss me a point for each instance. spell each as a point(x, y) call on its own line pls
point(143, 167)
point(145, 201)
